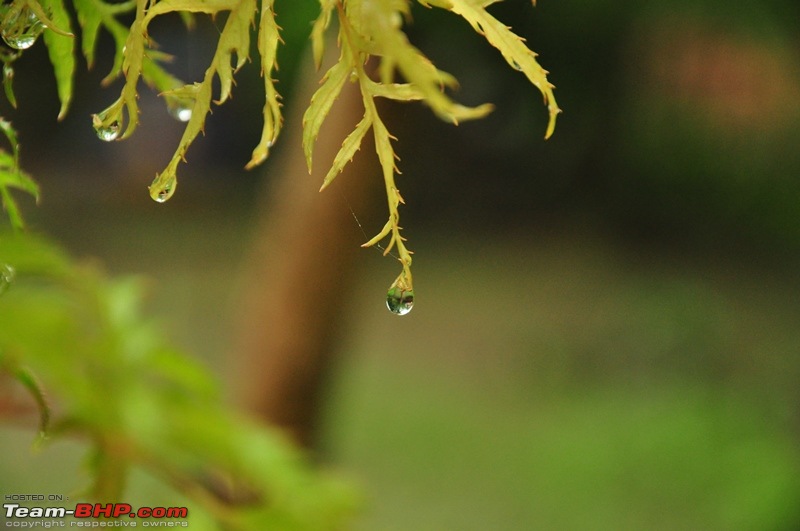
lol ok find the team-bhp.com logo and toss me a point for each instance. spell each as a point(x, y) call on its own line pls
point(90, 515)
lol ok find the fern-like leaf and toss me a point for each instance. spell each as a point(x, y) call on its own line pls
point(318, 30)
point(12, 177)
point(510, 45)
point(321, 104)
point(60, 47)
point(349, 147)
point(268, 38)
point(380, 26)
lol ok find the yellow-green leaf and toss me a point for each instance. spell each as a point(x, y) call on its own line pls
point(60, 48)
point(321, 104)
point(395, 91)
point(318, 30)
point(268, 38)
point(514, 50)
point(193, 6)
point(349, 147)
point(235, 39)
point(379, 25)
point(89, 19)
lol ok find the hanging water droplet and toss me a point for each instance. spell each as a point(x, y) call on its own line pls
point(180, 109)
point(183, 114)
point(20, 41)
point(7, 274)
point(400, 297)
point(163, 194)
point(109, 123)
point(107, 132)
point(21, 28)
point(163, 187)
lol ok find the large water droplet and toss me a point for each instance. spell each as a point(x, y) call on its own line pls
point(163, 187)
point(182, 114)
point(400, 297)
point(180, 109)
point(163, 194)
point(21, 28)
point(108, 132)
point(7, 274)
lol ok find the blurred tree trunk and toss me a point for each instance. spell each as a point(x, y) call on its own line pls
point(300, 269)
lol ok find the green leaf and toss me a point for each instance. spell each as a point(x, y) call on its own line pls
point(349, 147)
point(60, 48)
point(43, 11)
point(192, 6)
point(90, 18)
point(8, 78)
point(11, 135)
point(268, 38)
point(514, 50)
point(95, 13)
point(321, 103)
point(318, 30)
point(12, 176)
point(28, 379)
point(235, 39)
point(379, 25)
point(395, 91)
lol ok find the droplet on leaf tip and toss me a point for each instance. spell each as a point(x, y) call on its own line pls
point(109, 132)
point(400, 297)
point(21, 29)
point(181, 111)
point(163, 188)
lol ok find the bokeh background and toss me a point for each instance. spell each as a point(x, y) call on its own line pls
point(606, 331)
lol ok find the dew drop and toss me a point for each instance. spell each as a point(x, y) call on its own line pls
point(21, 41)
point(163, 188)
point(400, 297)
point(181, 110)
point(7, 274)
point(107, 132)
point(163, 195)
point(21, 29)
point(183, 114)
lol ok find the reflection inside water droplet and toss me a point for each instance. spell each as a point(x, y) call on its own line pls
point(183, 114)
point(7, 274)
point(109, 132)
point(163, 195)
point(21, 28)
point(400, 297)
point(163, 187)
point(180, 109)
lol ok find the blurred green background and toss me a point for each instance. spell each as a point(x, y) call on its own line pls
point(606, 333)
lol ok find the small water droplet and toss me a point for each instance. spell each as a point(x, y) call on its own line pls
point(180, 109)
point(163, 195)
point(7, 274)
point(183, 114)
point(400, 297)
point(163, 187)
point(108, 132)
point(21, 28)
